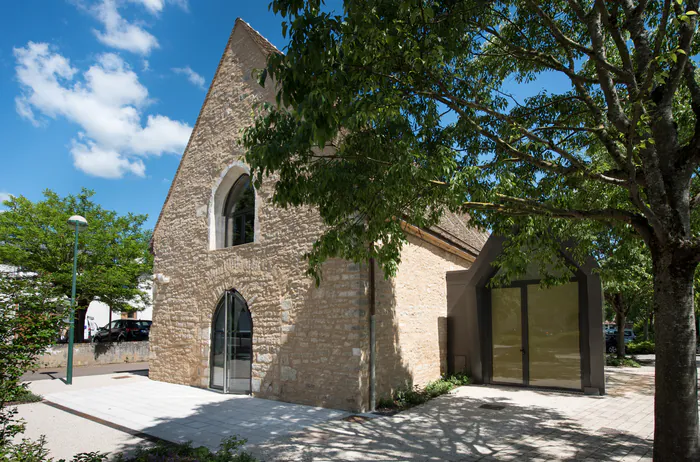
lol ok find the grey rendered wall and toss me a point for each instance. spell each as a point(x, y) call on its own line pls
point(90, 354)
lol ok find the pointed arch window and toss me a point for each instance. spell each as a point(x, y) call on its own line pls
point(239, 213)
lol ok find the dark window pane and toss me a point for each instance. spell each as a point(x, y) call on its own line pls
point(249, 224)
point(239, 212)
point(238, 230)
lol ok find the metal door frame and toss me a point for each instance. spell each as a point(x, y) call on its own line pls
point(584, 353)
point(228, 299)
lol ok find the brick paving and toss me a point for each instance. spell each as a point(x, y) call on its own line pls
point(533, 426)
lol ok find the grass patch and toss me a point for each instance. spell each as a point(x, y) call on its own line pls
point(230, 450)
point(407, 397)
point(627, 361)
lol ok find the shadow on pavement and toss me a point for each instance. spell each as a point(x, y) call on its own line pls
point(448, 428)
point(141, 372)
point(457, 428)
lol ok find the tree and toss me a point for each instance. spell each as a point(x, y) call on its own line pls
point(113, 251)
point(30, 316)
point(627, 282)
point(405, 109)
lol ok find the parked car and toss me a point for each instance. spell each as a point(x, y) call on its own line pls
point(611, 343)
point(611, 340)
point(124, 330)
point(146, 325)
point(629, 333)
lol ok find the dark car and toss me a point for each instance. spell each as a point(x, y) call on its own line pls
point(124, 330)
point(611, 343)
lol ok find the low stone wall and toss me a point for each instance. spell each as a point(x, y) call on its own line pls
point(90, 354)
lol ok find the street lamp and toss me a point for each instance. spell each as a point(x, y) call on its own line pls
point(75, 222)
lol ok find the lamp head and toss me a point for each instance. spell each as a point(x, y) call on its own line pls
point(77, 220)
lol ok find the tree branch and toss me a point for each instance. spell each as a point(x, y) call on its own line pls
point(527, 206)
point(615, 112)
point(566, 41)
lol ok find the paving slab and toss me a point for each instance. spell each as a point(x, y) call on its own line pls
point(532, 425)
point(67, 434)
point(181, 413)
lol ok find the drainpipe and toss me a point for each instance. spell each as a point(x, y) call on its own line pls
point(372, 338)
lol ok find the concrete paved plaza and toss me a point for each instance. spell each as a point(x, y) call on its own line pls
point(180, 413)
point(67, 434)
point(530, 425)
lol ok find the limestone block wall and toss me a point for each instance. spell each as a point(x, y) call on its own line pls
point(307, 341)
point(412, 317)
point(310, 344)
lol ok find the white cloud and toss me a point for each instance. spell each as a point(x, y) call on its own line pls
point(153, 6)
point(156, 6)
point(107, 103)
point(120, 33)
point(106, 163)
point(192, 76)
point(4, 197)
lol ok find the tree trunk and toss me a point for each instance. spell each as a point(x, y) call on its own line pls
point(646, 327)
point(676, 436)
point(620, 318)
point(79, 323)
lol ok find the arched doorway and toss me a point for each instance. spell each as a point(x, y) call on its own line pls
point(231, 345)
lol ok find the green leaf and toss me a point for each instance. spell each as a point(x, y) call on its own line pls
point(262, 77)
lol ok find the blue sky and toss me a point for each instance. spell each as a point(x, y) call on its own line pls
point(102, 94)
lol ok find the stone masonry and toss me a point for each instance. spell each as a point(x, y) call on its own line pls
point(310, 344)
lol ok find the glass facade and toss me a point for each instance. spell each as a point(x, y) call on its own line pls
point(240, 346)
point(218, 345)
point(546, 355)
point(239, 213)
point(553, 334)
point(232, 345)
point(507, 340)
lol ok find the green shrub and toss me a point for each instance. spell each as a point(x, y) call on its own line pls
point(21, 395)
point(31, 313)
point(230, 450)
point(25, 451)
point(639, 329)
point(640, 348)
point(407, 397)
point(35, 451)
point(612, 360)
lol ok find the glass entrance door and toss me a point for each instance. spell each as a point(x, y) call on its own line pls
point(218, 348)
point(535, 336)
point(232, 345)
point(507, 335)
point(553, 336)
point(240, 336)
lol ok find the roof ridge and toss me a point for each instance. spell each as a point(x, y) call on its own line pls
point(266, 47)
point(259, 38)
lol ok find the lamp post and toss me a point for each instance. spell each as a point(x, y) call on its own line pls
point(77, 222)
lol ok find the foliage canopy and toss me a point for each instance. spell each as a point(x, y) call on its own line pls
point(405, 109)
point(113, 250)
